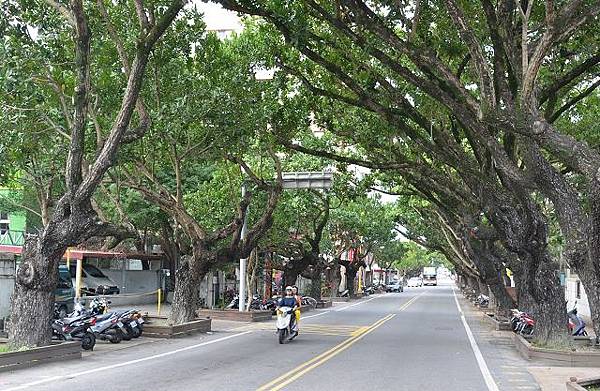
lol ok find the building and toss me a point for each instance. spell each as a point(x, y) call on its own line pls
point(12, 224)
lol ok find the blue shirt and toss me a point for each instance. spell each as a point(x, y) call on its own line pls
point(287, 302)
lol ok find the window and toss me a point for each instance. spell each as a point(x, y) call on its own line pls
point(4, 223)
point(93, 271)
point(578, 289)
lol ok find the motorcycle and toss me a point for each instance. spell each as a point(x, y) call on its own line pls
point(285, 322)
point(77, 328)
point(129, 322)
point(522, 323)
point(483, 301)
point(576, 323)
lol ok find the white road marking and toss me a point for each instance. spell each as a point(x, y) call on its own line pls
point(312, 316)
point(487, 376)
point(123, 364)
point(355, 304)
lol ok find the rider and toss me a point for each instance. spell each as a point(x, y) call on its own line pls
point(289, 301)
point(298, 305)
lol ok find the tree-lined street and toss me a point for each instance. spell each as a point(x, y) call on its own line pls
point(407, 341)
point(159, 151)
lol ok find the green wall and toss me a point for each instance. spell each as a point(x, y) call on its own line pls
point(17, 223)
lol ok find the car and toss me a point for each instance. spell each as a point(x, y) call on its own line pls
point(394, 286)
point(93, 281)
point(415, 282)
point(64, 293)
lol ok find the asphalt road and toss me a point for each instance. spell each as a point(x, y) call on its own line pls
point(415, 340)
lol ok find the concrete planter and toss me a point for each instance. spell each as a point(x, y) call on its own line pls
point(579, 385)
point(157, 327)
point(558, 357)
point(305, 308)
point(52, 353)
point(324, 303)
point(235, 315)
point(496, 324)
point(340, 299)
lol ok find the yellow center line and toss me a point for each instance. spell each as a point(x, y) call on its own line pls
point(405, 305)
point(309, 365)
point(317, 358)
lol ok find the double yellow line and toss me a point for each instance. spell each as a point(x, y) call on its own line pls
point(297, 372)
point(405, 305)
point(294, 374)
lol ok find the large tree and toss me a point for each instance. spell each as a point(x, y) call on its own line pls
point(65, 42)
point(479, 75)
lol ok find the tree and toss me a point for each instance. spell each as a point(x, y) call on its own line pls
point(357, 229)
point(486, 86)
point(73, 218)
point(203, 149)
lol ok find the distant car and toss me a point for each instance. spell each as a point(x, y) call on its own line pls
point(415, 282)
point(395, 286)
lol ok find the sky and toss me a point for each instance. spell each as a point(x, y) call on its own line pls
point(217, 18)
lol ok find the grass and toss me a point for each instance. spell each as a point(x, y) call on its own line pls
point(3, 348)
point(594, 387)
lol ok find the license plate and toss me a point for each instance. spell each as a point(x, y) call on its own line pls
point(133, 323)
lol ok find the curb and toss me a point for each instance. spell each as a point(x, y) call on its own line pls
point(51, 353)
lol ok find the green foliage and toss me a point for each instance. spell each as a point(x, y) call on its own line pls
point(416, 257)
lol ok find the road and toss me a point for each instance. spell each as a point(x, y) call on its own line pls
point(415, 340)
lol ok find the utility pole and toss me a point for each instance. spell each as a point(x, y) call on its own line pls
point(242, 293)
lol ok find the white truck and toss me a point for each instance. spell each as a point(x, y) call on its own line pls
point(430, 275)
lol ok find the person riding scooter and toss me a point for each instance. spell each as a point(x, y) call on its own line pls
point(298, 304)
point(289, 301)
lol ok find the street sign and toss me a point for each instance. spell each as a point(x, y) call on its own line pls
point(307, 180)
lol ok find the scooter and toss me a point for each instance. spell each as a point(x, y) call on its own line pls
point(78, 328)
point(483, 301)
point(576, 323)
point(284, 324)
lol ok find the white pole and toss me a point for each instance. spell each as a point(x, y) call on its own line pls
point(242, 293)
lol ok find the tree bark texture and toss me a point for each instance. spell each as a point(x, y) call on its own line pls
point(315, 285)
point(187, 283)
point(32, 302)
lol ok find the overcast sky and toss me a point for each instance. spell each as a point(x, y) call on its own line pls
point(217, 18)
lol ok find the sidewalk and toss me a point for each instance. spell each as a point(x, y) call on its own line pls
point(510, 370)
point(554, 378)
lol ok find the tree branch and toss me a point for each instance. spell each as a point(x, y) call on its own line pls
point(573, 101)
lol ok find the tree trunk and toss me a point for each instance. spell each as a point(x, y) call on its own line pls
point(350, 277)
point(483, 288)
point(33, 298)
point(290, 275)
point(504, 303)
point(472, 286)
point(315, 285)
point(190, 273)
point(542, 296)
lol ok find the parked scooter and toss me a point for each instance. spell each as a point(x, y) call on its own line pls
point(576, 323)
point(77, 328)
point(129, 322)
point(522, 322)
point(483, 301)
point(285, 322)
